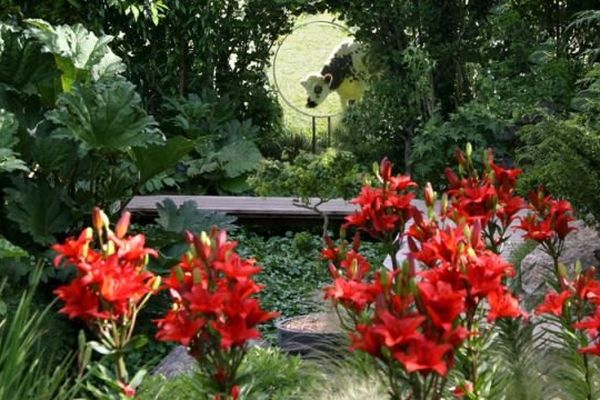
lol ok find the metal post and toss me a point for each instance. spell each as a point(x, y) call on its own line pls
point(328, 131)
point(314, 135)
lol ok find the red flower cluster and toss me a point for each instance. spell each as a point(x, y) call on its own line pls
point(212, 290)
point(489, 198)
point(418, 317)
point(416, 329)
point(550, 219)
point(214, 312)
point(110, 281)
point(578, 296)
point(385, 209)
point(457, 259)
point(349, 287)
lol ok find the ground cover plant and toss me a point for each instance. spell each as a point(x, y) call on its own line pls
point(293, 273)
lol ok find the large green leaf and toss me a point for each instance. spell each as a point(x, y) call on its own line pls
point(9, 250)
point(8, 129)
point(107, 115)
point(239, 158)
point(53, 154)
point(79, 53)
point(237, 185)
point(23, 67)
point(235, 159)
point(38, 210)
point(9, 160)
point(189, 217)
point(155, 159)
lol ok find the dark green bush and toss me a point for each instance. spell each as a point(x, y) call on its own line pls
point(564, 156)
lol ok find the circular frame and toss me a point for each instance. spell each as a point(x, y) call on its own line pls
point(276, 55)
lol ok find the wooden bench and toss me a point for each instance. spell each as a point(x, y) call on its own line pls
point(245, 207)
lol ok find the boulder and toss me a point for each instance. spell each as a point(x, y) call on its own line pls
point(177, 362)
point(581, 245)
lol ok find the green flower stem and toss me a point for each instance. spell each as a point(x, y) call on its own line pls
point(586, 363)
point(472, 351)
point(553, 250)
point(588, 376)
point(122, 374)
point(392, 247)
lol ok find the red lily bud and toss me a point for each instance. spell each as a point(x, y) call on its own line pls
point(333, 271)
point(235, 392)
point(476, 233)
point(356, 242)
point(460, 157)
point(412, 269)
point(452, 178)
point(97, 220)
point(385, 169)
point(123, 225)
point(412, 246)
point(429, 195)
point(127, 390)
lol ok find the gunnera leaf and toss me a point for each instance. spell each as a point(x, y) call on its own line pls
point(9, 160)
point(189, 217)
point(239, 158)
point(23, 66)
point(156, 159)
point(79, 53)
point(9, 250)
point(38, 210)
point(107, 115)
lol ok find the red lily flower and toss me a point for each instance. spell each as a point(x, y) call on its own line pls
point(365, 339)
point(503, 305)
point(553, 303)
point(395, 331)
point(424, 355)
point(80, 301)
point(442, 302)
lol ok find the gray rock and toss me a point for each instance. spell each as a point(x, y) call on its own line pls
point(177, 362)
point(580, 245)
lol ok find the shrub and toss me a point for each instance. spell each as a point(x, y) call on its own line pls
point(225, 149)
point(312, 179)
point(74, 133)
point(563, 154)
